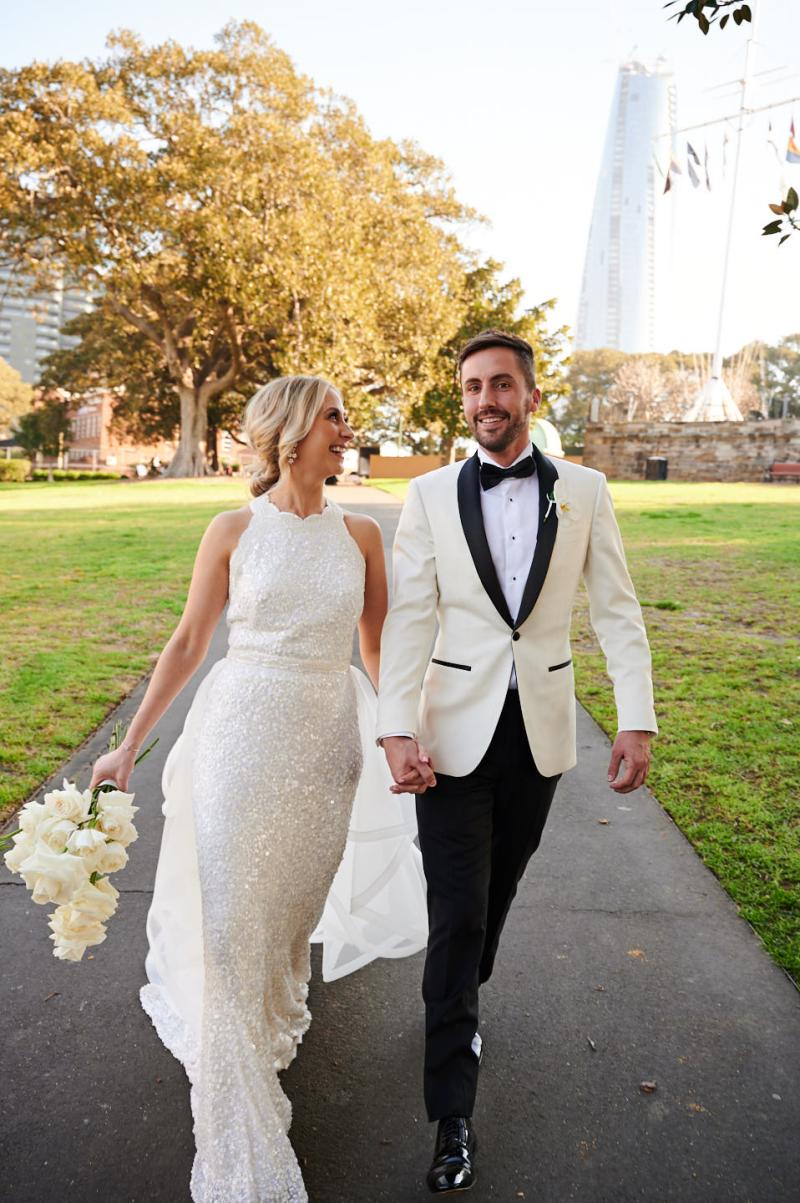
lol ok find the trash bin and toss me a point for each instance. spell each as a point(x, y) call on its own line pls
point(655, 467)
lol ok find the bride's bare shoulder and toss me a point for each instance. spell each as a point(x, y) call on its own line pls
point(225, 529)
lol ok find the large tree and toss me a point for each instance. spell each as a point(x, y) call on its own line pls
point(487, 301)
point(15, 398)
point(781, 378)
point(44, 429)
point(234, 217)
point(591, 375)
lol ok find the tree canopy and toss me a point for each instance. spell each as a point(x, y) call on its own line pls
point(486, 302)
point(234, 221)
point(15, 398)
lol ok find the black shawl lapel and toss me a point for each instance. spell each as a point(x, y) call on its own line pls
point(469, 508)
point(545, 541)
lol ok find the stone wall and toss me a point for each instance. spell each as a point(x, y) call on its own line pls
point(405, 466)
point(694, 450)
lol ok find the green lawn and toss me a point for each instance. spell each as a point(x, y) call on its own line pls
point(94, 577)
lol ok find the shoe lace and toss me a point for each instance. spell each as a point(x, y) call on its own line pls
point(454, 1129)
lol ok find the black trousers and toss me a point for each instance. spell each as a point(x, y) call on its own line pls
point(477, 834)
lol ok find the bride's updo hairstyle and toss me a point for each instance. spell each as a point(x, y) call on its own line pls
point(277, 418)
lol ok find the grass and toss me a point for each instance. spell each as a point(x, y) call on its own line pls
point(397, 486)
point(94, 577)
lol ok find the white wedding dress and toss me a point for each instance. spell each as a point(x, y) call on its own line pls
point(264, 847)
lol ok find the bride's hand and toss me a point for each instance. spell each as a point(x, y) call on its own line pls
point(115, 766)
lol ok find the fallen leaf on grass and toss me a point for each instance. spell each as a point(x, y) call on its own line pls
point(696, 1108)
point(647, 1087)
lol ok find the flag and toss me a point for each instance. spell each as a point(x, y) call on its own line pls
point(771, 142)
point(792, 149)
point(693, 176)
point(705, 168)
point(692, 153)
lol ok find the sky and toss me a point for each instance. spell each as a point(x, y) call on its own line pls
point(515, 99)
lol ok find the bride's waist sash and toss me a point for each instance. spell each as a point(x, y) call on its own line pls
point(250, 655)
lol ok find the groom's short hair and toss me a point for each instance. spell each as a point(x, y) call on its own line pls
point(498, 338)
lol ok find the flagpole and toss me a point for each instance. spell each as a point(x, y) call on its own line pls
point(716, 366)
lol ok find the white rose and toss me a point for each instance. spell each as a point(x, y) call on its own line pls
point(116, 799)
point(31, 816)
point(86, 841)
point(72, 932)
point(69, 802)
point(68, 923)
point(122, 832)
point(24, 845)
point(112, 858)
point(115, 816)
point(68, 952)
point(98, 900)
point(53, 876)
point(54, 832)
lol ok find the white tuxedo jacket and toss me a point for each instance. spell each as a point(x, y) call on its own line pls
point(448, 685)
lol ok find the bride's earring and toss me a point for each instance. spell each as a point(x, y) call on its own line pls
point(292, 456)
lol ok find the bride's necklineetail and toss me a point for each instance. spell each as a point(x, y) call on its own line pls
point(292, 514)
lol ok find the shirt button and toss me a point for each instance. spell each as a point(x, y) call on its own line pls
point(515, 636)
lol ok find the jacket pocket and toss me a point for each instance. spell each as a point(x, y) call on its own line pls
point(555, 667)
point(467, 668)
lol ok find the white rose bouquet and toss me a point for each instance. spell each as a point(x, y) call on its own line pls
point(64, 849)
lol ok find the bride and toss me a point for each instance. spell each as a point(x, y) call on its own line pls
point(264, 846)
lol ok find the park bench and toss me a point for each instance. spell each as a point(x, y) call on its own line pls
point(784, 472)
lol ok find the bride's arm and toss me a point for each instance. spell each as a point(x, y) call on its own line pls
point(185, 650)
point(367, 535)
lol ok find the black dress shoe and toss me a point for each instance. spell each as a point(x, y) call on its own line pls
point(453, 1166)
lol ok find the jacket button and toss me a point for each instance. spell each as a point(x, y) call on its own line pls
point(515, 635)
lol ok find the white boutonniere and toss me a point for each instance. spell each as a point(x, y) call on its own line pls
point(565, 509)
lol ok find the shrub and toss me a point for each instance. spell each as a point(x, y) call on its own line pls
point(14, 469)
point(73, 474)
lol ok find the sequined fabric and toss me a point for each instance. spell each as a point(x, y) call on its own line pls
point(276, 766)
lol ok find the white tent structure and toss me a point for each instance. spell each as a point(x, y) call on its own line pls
point(713, 403)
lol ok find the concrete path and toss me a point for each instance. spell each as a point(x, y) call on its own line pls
point(623, 961)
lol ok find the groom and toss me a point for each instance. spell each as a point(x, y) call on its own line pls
point(493, 550)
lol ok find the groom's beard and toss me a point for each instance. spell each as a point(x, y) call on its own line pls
point(503, 435)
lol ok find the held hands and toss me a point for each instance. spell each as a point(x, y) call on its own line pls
point(114, 766)
point(409, 764)
point(632, 747)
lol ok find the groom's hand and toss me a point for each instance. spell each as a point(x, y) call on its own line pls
point(632, 748)
point(409, 765)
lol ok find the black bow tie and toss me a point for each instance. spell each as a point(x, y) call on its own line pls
point(491, 474)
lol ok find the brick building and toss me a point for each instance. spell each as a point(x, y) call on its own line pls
point(91, 443)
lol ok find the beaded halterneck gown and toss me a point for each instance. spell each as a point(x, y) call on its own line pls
point(258, 792)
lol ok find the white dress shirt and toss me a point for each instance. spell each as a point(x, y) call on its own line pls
point(511, 519)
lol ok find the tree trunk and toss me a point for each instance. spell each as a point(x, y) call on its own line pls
point(190, 457)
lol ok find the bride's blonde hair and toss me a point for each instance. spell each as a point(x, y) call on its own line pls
point(277, 418)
